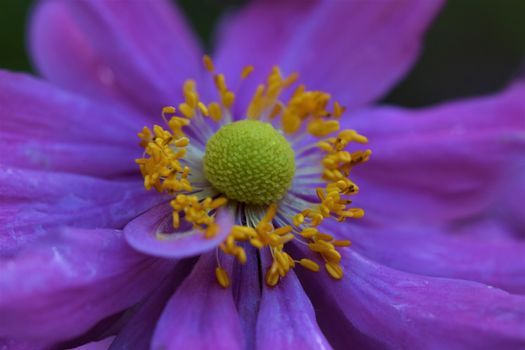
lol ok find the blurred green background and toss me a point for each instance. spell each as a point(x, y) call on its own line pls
point(474, 47)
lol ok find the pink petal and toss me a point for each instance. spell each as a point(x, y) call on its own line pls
point(138, 330)
point(45, 127)
point(201, 314)
point(355, 50)
point(246, 286)
point(286, 317)
point(427, 251)
point(98, 345)
point(455, 165)
point(61, 286)
point(142, 234)
point(36, 203)
point(137, 52)
point(402, 310)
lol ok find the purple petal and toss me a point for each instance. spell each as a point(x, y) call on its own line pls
point(499, 263)
point(98, 345)
point(356, 50)
point(138, 330)
point(35, 203)
point(201, 314)
point(10, 344)
point(44, 127)
point(401, 310)
point(452, 165)
point(143, 234)
point(137, 52)
point(60, 287)
point(286, 317)
point(246, 285)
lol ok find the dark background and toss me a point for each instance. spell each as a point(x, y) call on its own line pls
point(474, 47)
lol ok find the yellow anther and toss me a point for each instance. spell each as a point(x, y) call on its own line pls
point(222, 277)
point(325, 146)
point(342, 243)
point(227, 99)
point(283, 230)
point(322, 128)
point(215, 111)
point(256, 105)
point(191, 99)
point(290, 80)
point(186, 110)
point(282, 260)
point(309, 264)
point(244, 231)
point(338, 110)
point(168, 110)
point(208, 63)
point(309, 232)
point(272, 277)
point(219, 202)
point(182, 142)
point(202, 108)
point(212, 230)
point(220, 83)
point(352, 135)
point(176, 219)
point(270, 213)
point(276, 111)
point(298, 219)
point(257, 243)
point(291, 122)
point(145, 136)
point(332, 255)
point(334, 269)
point(246, 71)
point(324, 237)
point(286, 238)
point(241, 255)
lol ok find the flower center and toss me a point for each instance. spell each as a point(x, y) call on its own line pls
point(249, 161)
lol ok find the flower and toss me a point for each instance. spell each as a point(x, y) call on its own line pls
point(436, 263)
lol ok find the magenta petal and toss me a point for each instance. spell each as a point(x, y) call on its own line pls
point(98, 345)
point(499, 263)
point(286, 317)
point(142, 234)
point(403, 310)
point(201, 314)
point(44, 201)
point(246, 285)
point(11, 344)
point(138, 330)
point(60, 287)
point(451, 165)
point(343, 47)
point(138, 52)
point(44, 127)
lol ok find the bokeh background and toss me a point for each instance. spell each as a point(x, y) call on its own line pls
point(474, 47)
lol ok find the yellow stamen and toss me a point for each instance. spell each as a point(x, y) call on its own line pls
point(309, 264)
point(215, 111)
point(334, 269)
point(342, 243)
point(246, 71)
point(208, 63)
point(222, 277)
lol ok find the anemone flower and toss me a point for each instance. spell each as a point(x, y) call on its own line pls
point(227, 223)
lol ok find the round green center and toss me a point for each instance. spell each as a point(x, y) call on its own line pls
point(249, 161)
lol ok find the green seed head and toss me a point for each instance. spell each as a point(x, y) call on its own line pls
point(249, 161)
